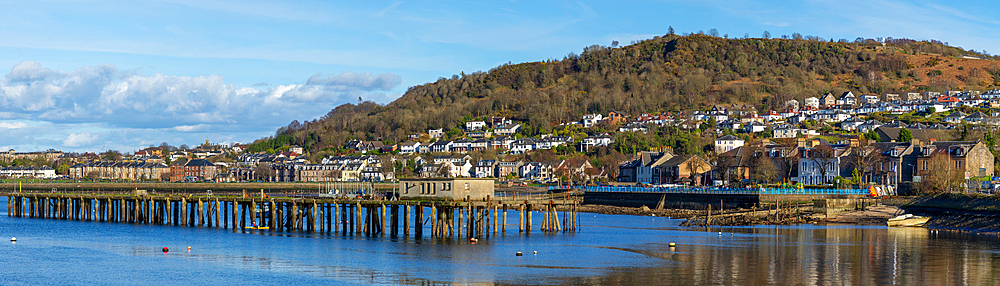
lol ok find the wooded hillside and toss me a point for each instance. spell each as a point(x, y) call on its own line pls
point(670, 73)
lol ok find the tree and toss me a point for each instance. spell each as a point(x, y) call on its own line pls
point(767, 35)
point(826, 157)
point(111, 155)
point(941, 174)
point(865, 158)
point(763, 169)
point(872, 135)
point(905, 135)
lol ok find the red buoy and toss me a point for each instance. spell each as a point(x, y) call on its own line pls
point(165, 250)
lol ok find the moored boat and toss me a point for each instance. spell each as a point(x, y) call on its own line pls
point(908, 220)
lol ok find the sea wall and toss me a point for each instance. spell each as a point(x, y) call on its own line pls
point(675, 201)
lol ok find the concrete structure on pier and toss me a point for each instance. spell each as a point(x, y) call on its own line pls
point(473, 189)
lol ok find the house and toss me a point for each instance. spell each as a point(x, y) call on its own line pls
point(506, 129)
point(847, 98)
point(790, 131)
point(408, 147)
point(435, 133)
point(966, 159)
point(593, 141)
point(726, 143)
point(590, 120)
point(729, 124)
point(504, 169)
point(520, 146)
point(890, 164)
point(479, 144)
point(793, 104)
point(442, 146)
point(772, 116)
point(461, 145)
point(472, 189)
point(633, 127)
point(955, 117)
point(851, 124)
point(820, 164)
point(484, 169)
point(868, 126)
point(640, 169)
point(501, 143)
point(826, 100)
point(617, 117)
point(754, 127)
point(499, 120)
point(689, 169)
point(201, 169)
point(537, 171)
point(811, 101)
point(577, 169)
point(891, 97)
point(976, 118)
point(869, 99)
point(475, 125)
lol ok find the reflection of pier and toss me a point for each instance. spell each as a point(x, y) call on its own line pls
point(445, 218)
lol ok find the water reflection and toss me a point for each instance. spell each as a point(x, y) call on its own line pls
point(820, 255)
point(609, 249)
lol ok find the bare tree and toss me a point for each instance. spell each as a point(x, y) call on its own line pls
point(865, 159)
point(826, 157)
point(941, 174)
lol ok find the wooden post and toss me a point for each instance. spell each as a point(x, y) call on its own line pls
point(312, 215)
point(434, 223)
point(418, 223)
point(243, 216)
point(708, 218)
point(336, 217)
point(528, 226)
point(359, 227)
point(184, 211)
point(406, 220)
point(382, 222)
point(520, 218)
point(233, 206)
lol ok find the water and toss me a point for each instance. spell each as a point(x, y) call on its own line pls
point(609, 249)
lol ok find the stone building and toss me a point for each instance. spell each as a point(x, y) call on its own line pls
point(473, 189)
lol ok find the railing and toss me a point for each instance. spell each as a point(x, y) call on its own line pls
point(715, 190)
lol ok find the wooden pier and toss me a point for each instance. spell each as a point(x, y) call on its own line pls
point(444, 219)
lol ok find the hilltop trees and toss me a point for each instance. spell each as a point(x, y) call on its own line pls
point(671, 73)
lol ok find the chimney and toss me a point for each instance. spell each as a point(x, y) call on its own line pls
point(933, 140)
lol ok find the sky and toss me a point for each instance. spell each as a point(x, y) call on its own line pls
point(123, 75)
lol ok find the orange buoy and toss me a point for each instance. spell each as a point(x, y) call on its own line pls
point(189, 248)
point(165, 250)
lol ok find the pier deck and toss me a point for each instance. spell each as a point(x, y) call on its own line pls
point(309, 213)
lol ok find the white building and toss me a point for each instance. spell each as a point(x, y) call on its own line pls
point(726, 143)
point(590, 120)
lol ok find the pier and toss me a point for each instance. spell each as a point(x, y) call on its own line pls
point(261, 212)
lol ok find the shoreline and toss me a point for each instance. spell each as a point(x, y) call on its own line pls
point(979, 222)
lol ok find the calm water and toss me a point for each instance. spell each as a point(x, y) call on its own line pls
point(608, 250)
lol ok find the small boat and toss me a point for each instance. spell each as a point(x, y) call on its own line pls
point(908, 220)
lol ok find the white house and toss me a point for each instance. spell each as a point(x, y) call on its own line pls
point(475, 125)
point(595, 141)
point(811, 101)
point(590, 120)
point(726, 143)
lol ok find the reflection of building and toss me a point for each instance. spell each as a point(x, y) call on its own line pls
point(473, 189)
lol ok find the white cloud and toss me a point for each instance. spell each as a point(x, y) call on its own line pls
point(12, 125)
point(191, 128)
point(79, 139)
point(107, 99)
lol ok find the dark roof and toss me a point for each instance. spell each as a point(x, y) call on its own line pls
point(199, 162)
point(728, 138)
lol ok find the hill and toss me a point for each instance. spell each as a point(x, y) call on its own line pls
point(670, 73)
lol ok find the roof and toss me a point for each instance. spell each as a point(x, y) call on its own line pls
point(199, 162)
point(728, 138)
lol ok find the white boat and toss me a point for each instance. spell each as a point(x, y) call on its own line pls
point(908, 220)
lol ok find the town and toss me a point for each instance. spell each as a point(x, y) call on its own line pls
point(927, 140)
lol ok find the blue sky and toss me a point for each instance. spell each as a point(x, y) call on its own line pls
point(122, 75)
